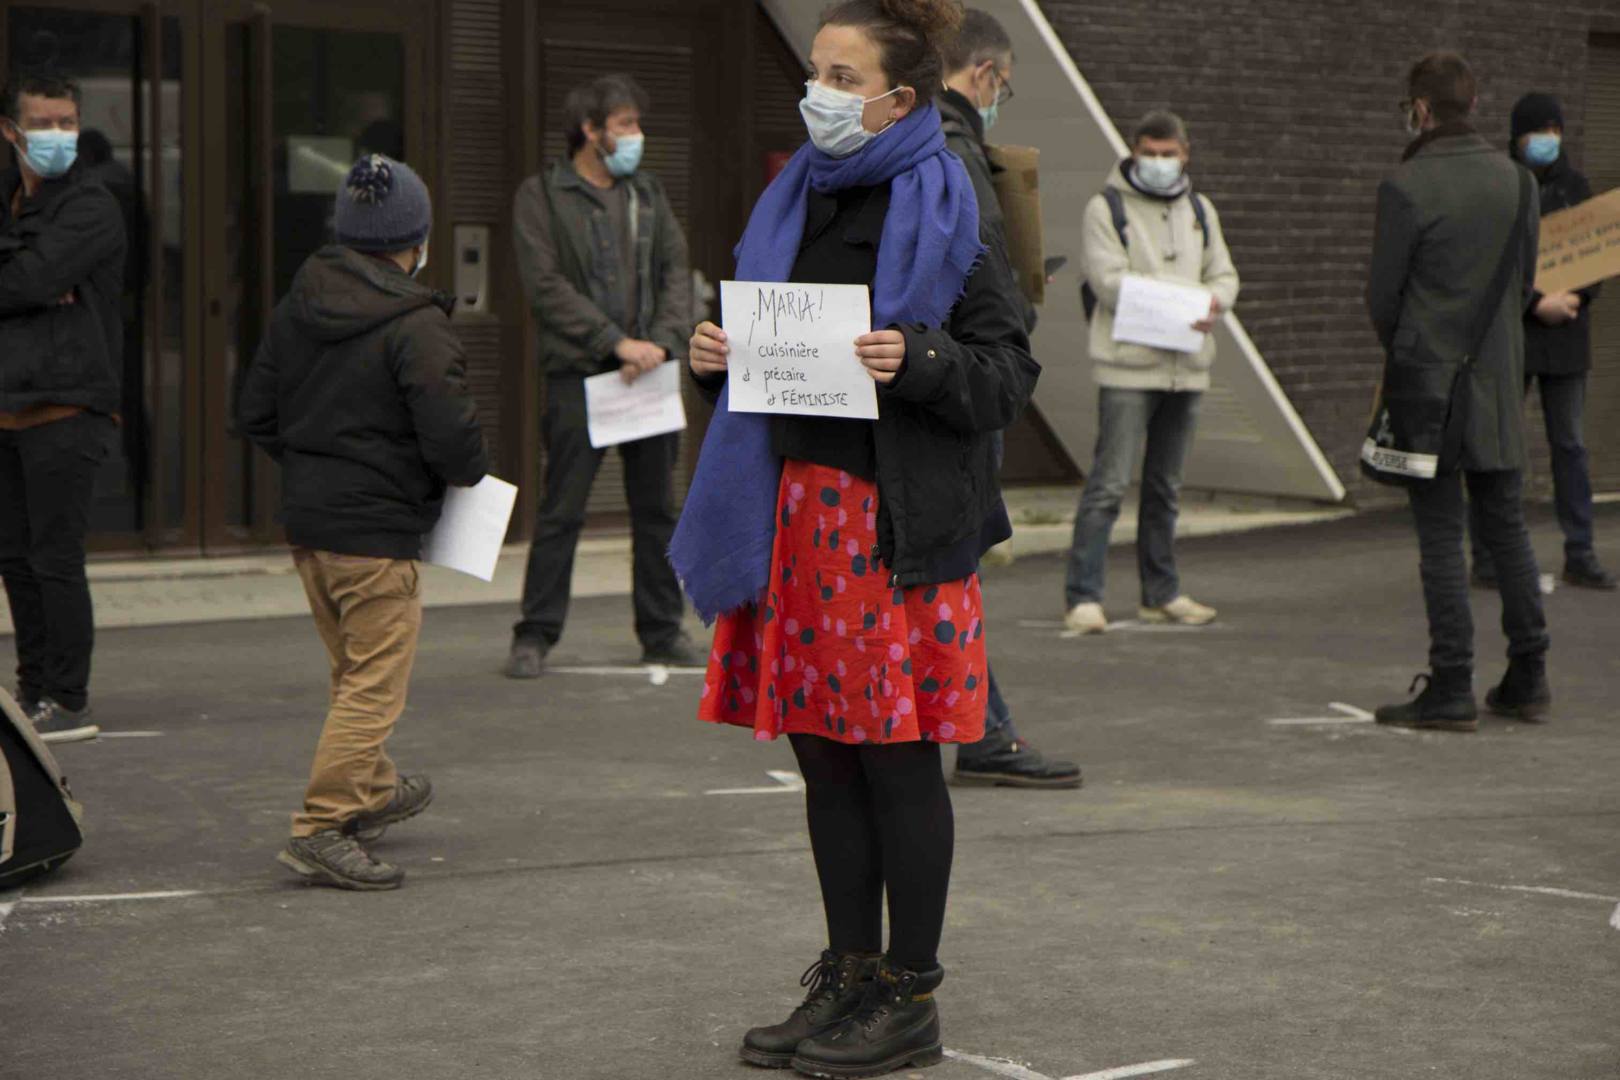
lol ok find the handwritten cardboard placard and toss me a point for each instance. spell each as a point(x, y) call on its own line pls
point(1580, 246)
point(793, 348)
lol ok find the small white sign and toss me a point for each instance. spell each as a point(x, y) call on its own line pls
point(793, 348)
point(619, 412)
point(472, 528)
point(1160, 314)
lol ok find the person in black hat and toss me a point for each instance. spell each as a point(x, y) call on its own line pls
point(360, 392)
point(1557, 353)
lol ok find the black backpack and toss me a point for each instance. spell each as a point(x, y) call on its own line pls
point(39, 819)
point(1116, 210)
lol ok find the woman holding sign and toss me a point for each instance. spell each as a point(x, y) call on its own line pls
point(839, 554)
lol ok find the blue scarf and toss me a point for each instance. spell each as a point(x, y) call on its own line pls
point(930, 244)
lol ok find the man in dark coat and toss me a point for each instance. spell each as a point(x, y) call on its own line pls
point(1446, 219)
point(62, 249)
point(978, 81)
point(1557, 352)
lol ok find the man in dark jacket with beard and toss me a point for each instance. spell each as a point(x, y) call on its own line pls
point(1557, 353)
point(360, 392)
point(62, 248)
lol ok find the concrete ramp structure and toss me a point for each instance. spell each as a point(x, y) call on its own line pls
point(1250, 439)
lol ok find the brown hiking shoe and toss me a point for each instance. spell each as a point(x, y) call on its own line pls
point(412, 795)
point(330, 858)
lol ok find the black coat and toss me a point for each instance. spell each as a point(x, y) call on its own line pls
point(1565, 349)
point(930, 450)
point(68, 238)
point(359, 390)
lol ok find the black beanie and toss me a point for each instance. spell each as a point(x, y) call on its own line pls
point(1536, 112)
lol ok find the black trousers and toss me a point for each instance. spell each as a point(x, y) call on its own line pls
point(1498, 517)
point(880, 819)
point(47, 478)
point(649, 487)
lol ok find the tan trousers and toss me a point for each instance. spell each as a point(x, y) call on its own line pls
point(369, 615)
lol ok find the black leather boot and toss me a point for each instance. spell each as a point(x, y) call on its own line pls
point(837, 984)
point(1001, 759)
point(895, 1027)
point(1523, 693)
point(1446, 703)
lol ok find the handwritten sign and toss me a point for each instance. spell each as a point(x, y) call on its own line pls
point(793, 348)
point(616, 412)
point(1160, 314)
point(472, 528)
point(1580, 246)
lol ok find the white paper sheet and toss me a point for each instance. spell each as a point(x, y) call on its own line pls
point(1160, 314)
point(472, 528)
point(619, 413)
point(793, 348)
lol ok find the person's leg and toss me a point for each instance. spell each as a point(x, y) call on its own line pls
point(1121, 427)
point(1438, 513)
point(845, 840)
point(60, 461)
point(22, 588)
point(571, 464)
point(1484, 570)
point(378, 611)
point(997, 716)
point(912, 806)
point(1499, 496)
point(649, 488)
point(1171, 426)
point(1563, 405)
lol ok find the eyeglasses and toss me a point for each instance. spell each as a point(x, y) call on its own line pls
point(1004, 90)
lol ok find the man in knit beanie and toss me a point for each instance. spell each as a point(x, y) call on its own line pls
point(360, 392)
point(1557, 353)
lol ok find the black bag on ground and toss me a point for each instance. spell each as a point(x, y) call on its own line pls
point(39, 818)
point(1421, 411)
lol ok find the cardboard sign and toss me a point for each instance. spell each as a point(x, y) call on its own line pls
point(1016, 176)
point(793, 348)
point(1580, 246)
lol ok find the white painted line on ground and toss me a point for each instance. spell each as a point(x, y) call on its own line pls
point(111, 898)
point(657, 674)
point(787, 783)
point(132, 734)
point(1145, 1069)
point(1348, 714)
point(1614, 920)
point(1540, 890)
point(8, 903)
point(1000, 1066)
point(1126, 626)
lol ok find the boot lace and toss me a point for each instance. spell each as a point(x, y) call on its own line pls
point(1422, 679)
point(822, 982)
point(881, 998)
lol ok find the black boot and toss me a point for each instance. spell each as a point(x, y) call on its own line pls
point(1585, 572)
point(895, 1027)
point(1446, 703)
point(837, 984)
point(1002, 759)
point(1523, 693)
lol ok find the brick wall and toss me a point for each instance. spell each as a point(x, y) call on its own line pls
point(1293, 112)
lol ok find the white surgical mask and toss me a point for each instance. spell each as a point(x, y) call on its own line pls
point(1158, 173)
point(833, 118)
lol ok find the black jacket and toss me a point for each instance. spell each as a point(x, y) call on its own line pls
point(68, 238)
point(360, 392)
point(930, 450)
point(1565, 349)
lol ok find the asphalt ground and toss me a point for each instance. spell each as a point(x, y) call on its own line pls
point(1226, 897)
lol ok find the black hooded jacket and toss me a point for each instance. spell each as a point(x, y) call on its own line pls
point(360, 392)
point(1564, 349)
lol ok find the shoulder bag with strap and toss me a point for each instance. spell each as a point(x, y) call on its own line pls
point(1421, 412)
point(1116, 210)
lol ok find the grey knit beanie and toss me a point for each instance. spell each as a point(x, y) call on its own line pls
point(383, 207)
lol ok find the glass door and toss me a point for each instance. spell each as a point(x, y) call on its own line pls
point(304, 89)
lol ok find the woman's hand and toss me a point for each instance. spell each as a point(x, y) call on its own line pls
point(883, 353)
point(709, 350)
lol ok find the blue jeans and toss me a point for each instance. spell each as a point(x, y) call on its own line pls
point(1165, 421)
point(1563, 401)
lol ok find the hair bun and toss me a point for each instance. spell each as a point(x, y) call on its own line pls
point(934, 18)
point(371, 180)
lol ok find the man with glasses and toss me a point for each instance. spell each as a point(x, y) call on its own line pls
point(978, 82)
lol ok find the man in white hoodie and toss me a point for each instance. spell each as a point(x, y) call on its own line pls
point(1148, 222)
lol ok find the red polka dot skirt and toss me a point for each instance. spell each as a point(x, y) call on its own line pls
point(835, 650)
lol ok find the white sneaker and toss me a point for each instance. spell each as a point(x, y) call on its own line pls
point(1086, 619)
point(1182, 611)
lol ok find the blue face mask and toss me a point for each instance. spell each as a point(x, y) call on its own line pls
point(1542, 149)
point(626, 156)
point(51, 153)
point(990, 115)
point(1158, 173)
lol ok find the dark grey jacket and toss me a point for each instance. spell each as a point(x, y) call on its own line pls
point(1443, 219)
point(964, 137)
point(1564, 349)
point(68, 238)
point(571, 278)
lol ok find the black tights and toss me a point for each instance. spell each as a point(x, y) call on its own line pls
point(880, 815)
